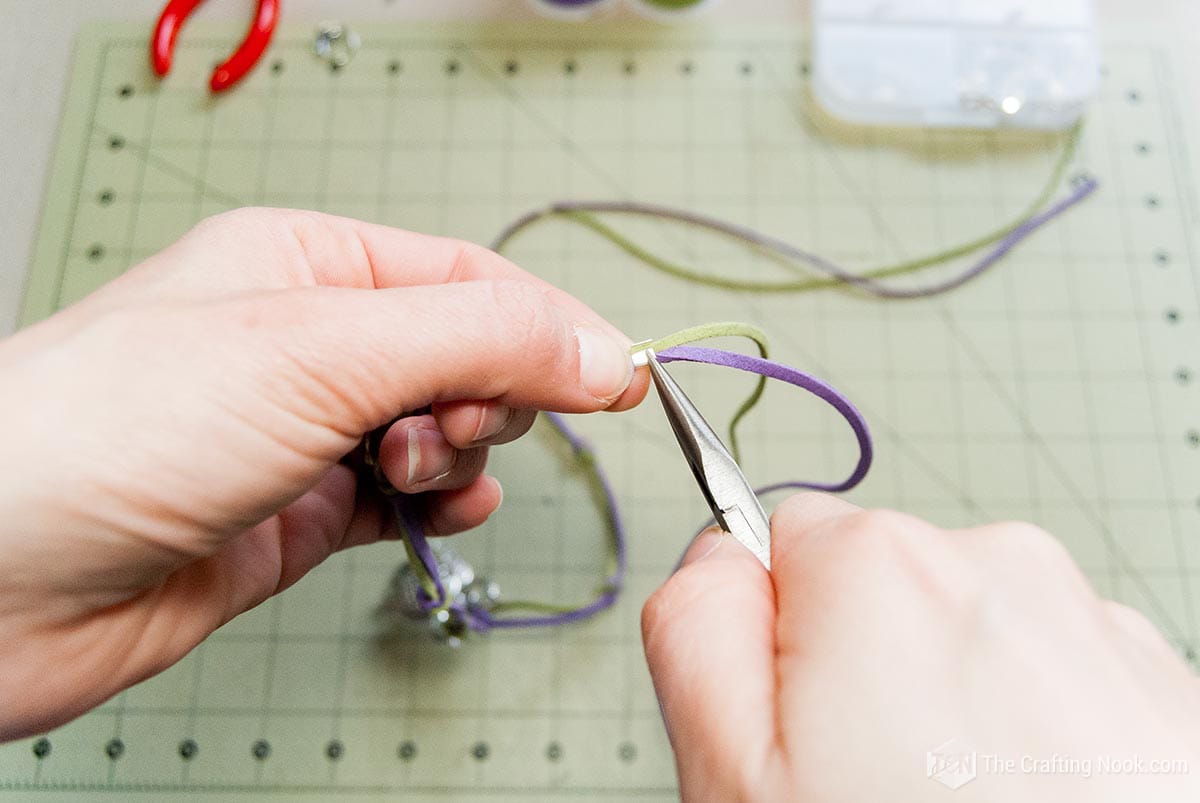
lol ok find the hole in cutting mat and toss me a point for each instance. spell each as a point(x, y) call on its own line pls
point(394, 67)
point(1161, 256)
point(106, 197)
point(96, 253)
point(1193, 438)
point(629, 67)
point(480, 751)
point(126, 91)
point(114, 749)
point(188, 749)
point(277, 66)
point(452, 67)
point(569, 66)
point(116, 143)
point(407, 751)
point(1172, 315)
point(554, 751)
point(511, 67)
point(1143, 147)
point(335, 750)
point(41, 748)
point(627, 752)
point(1152, 202)
point(261, 749)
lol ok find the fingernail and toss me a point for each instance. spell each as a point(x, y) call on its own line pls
point(605, 367)
point(430, 457)
point(493, 419)
point(703, 545)
point(495, 483)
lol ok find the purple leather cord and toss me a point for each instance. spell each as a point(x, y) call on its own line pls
point(480, 619)
point(867, 284)
point(785, 373)
point(614, 582)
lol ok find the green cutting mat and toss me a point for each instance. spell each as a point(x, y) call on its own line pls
point(1058, 388)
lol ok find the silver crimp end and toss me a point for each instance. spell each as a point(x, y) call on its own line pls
point(641, 354)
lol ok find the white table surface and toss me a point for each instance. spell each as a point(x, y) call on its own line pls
point(39, 41)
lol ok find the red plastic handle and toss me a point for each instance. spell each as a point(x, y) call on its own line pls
point(162, 43)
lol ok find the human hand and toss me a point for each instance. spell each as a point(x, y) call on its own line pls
point(878, 637)
point(172, 443)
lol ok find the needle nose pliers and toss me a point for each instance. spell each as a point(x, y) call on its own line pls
point(162, 43)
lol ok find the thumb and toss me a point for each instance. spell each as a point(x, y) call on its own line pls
point(709, 635)
point(364, 356)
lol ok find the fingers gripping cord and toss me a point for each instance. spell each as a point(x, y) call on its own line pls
point(454, 614)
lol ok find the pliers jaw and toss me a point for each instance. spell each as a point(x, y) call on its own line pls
point(162, 43)
point(733, 502)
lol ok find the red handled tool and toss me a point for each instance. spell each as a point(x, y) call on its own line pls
point(162, 44)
